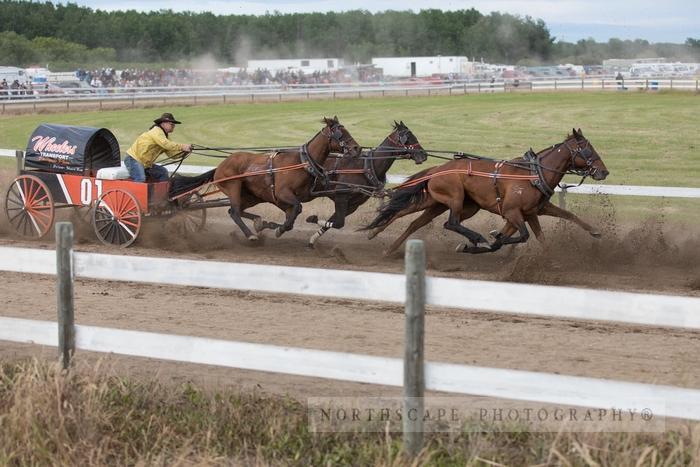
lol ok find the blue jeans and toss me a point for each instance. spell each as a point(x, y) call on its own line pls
point(138, 172)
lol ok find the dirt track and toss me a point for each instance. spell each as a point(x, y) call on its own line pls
point(649, 257)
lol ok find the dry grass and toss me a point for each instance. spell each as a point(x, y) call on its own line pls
point(50, 417)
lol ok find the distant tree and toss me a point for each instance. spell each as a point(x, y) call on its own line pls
point(16, 50)
point(693, 46)
point(355, 35)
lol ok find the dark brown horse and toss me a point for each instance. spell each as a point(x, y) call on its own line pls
point(518, 190)
point(282, 178)
point(352, 181)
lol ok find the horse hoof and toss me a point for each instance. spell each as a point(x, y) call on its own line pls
point(477, 249)
point(253, 238)
point(460, 248)
point(312, 219)
point(258, 224)
point(310, 246)
point(371, 235)
point(494, 233)
point(279, 232)
point(596, 234)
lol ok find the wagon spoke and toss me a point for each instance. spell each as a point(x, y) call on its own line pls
point(131, 223)
point(24, 223)
point(117, 218)
point(29, 206)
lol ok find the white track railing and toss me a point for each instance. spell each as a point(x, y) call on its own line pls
point(460, 379)
point(563, 302)
point(332, 90)
point(524, 299)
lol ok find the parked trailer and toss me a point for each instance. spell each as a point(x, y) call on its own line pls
point(80, 168)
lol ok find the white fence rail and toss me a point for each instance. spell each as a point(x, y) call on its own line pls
point(511, 384)
point(460, 379)
point(524, 299)
point(280, 92)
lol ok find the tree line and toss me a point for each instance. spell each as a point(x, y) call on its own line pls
point(46, 32)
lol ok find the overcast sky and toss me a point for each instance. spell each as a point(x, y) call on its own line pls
point(568, 20)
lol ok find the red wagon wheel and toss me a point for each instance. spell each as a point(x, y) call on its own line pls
point(29, 206)
point(117, 218)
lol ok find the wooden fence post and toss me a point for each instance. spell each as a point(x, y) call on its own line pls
point(19, 156)
point(64, 289)
point(413, 365)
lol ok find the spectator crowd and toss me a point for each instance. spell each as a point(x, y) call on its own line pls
point(15, 89)
point(110, 77)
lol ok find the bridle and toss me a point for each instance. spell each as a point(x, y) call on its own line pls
point(335, 133)
point(586, 153)
point(403, 136)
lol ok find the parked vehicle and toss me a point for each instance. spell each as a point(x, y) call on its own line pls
point(75, 87)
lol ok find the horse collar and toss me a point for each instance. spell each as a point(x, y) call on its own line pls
point(536, 169)
point(313, 167)
point(370, 172)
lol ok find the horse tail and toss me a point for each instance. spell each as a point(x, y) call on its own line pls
point(181, 184)
point(399, 200)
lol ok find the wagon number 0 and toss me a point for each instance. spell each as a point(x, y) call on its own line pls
point(86, 190)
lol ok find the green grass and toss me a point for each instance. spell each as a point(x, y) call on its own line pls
point(644, 138)
point(82, 417)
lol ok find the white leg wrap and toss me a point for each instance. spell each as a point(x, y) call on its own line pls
point(317, 235)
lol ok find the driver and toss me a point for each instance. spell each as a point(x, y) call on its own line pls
point(141, 156)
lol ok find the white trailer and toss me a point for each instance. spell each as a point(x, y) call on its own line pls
point(307, 65)
point(407, 67)
point(12, 73)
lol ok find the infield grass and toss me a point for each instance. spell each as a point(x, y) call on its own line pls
point(644, 138)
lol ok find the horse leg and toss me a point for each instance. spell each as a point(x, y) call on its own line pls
point(534, 223)
point(425, 218)
point(234, 194)
point(515, 222)
point(457, 214)
point(258, 223)
point(550, 209)
point(336, 221)
point(292, 211)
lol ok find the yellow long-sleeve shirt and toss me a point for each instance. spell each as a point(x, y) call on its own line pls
point(151, 144)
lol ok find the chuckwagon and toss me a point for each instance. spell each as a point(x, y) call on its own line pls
point(80, 168)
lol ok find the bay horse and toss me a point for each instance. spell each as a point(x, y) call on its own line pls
point(283, 178)
point(517, 190)
point(352, 181)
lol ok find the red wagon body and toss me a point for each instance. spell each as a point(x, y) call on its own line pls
point(80, 167)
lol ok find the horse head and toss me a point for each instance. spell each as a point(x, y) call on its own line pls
point(585, 160)
point(339, 139)
point(402, 137)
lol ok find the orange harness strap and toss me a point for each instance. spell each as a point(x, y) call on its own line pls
point(244, 175)
point(468, 172)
